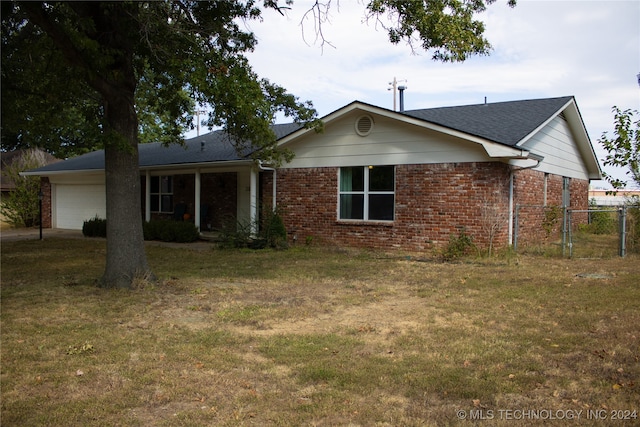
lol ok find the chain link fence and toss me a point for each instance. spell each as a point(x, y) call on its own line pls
point(598, 232)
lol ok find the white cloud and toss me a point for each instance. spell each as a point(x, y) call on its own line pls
point(589, 49)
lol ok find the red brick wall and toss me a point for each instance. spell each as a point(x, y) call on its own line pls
point(540, 219)
point(579, 194)
point(432, 202)
point(219, 194)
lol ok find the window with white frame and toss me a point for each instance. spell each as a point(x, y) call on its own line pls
point(161, 191)
point(367, 193)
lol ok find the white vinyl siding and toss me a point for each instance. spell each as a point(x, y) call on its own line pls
point(74, 204)
point(389, 143)
point(555, 143)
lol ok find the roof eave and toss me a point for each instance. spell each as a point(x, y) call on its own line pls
point(61, 172)
point(199, 165)
point(171, 167)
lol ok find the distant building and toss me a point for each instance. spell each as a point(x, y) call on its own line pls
point(601, 198)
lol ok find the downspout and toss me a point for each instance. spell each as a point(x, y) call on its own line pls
point(273, 192)
point(511, 176)
point(512, 172)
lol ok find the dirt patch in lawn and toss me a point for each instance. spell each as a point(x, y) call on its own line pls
point(313, 337)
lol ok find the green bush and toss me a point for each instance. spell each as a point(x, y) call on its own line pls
point(633, 224)
point(164, 230)
point(170, 231)
point(151, 230)
point(271, 233)
point(458, 246)
point(235, 234)
point(552, 217)
point(273, 230)
point(601, 221)
point(95, 227)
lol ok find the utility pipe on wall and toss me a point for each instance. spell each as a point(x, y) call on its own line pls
point(265, 168)
point(538, 160)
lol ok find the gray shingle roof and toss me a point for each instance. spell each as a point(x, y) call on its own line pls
point(503, 122)
point(215, 146)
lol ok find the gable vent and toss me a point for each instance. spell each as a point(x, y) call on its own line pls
point(364, 125)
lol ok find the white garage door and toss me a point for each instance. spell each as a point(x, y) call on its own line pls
point(74, 204)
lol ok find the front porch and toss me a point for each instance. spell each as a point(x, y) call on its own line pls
point(212, 198)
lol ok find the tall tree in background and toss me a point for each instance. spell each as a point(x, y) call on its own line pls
point(20, 206)
point(623, 147)
point(104, 66)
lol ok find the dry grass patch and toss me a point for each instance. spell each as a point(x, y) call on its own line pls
point(312, 337)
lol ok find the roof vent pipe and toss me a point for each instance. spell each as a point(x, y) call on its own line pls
point(401, 89)
point(201, 145)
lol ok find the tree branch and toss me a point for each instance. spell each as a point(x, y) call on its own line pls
point(320, 13)
point(36, 14)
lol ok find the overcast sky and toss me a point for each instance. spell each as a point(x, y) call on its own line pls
point(588, 49)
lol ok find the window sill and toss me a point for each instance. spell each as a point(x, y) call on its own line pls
point(363, 223)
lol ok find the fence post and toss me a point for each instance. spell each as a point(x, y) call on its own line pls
point(622, 215)
point(564, 230)
point(569, 229)
point(515, 229)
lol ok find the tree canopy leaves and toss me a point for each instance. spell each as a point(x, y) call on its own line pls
point(78, 76)
point(186, 55)
point(623, 147)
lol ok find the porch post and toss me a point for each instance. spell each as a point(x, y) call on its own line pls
point(198, 187)
point(247, 198)
point(147, 196)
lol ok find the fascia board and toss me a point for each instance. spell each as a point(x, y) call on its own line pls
point(574, 118)
point(170, 167)
point(63, 172)
point(543, 124)
point(200, 165)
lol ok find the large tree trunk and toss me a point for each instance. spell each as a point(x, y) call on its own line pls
point(103, 54)
point(126, 257)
